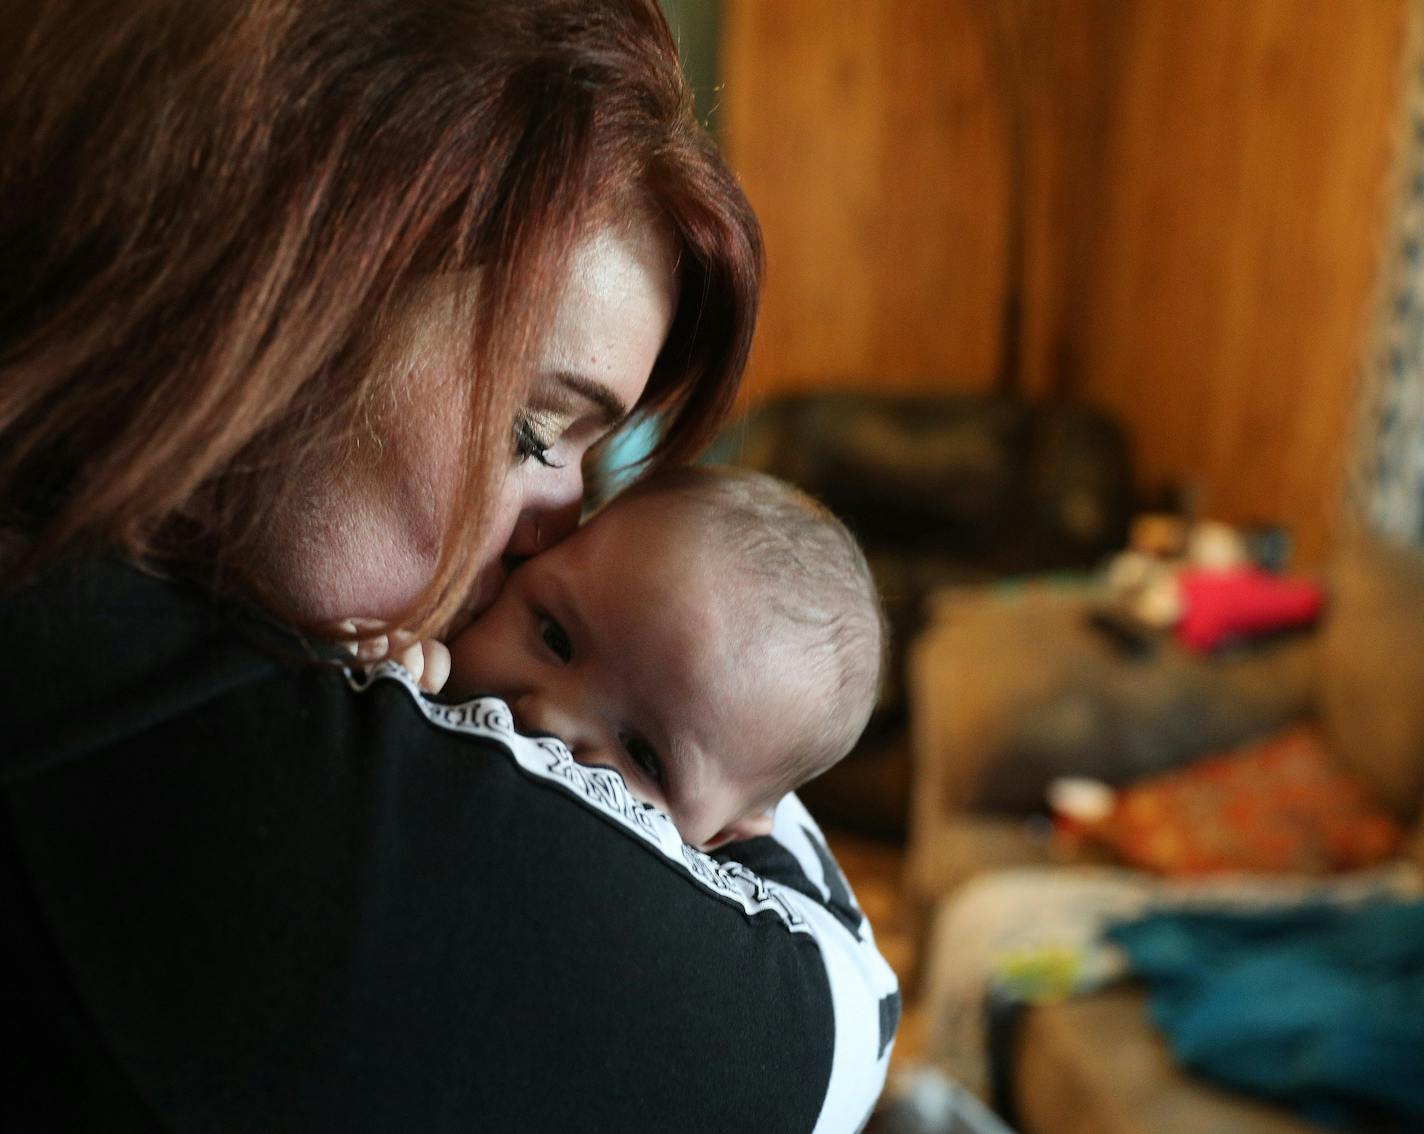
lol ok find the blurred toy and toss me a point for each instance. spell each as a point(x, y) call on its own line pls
point(1219, 606)
point(1159, 535)
point(1214, 546)
point(1143, 579)
point(1207, 579)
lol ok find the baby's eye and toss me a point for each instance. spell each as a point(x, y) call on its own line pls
point(556, 638)
point(645, 756)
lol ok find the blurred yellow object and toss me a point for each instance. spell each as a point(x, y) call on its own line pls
point(1044, 975)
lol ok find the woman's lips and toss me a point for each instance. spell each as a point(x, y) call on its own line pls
point(487, 587)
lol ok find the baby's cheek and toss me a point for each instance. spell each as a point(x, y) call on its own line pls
point(592, 758)
point(469, 668)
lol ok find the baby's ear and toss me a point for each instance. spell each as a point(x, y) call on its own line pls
point(747, 827)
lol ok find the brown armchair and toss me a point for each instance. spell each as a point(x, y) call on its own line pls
point(1005, 693)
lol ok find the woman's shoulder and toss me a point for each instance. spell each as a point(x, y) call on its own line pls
point(101, 596)
point(110, 648)
point(281, 845)
point(391, 910)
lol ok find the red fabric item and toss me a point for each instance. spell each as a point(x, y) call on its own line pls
point(1279, 805)
point(1218, 605)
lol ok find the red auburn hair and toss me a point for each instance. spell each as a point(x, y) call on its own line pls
point(209, 211)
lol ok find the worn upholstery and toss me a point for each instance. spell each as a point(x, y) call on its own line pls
point(1370, 686)
point(1004, 694)
point(1010, 690)
point(1095, 1066)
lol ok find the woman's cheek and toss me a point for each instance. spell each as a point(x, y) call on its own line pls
point(513, 496)
point(495, 548)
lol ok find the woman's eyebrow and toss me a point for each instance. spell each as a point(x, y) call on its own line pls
point(614, 411)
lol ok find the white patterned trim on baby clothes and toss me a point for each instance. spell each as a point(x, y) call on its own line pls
point(548, 759)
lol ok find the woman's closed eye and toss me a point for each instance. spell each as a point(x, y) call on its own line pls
point(556, 638)
point(646, 757)
point(530, 444)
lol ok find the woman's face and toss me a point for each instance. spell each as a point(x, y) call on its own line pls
point(366, 546)
point(610, 323)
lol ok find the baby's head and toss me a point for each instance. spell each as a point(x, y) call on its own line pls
point(712, 634)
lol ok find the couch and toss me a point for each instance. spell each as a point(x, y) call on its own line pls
point(1008, 690)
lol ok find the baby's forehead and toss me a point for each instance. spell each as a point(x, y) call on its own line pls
point(665, 531)
point(648, 506)
point(685, 540)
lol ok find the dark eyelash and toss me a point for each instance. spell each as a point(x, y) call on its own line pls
point(645, 756)
point(529, 446)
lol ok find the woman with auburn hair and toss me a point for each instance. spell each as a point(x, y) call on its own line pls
point(310, 311)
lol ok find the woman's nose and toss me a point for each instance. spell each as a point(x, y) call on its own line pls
point(547, 518)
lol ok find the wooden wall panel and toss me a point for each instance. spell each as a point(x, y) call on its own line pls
point(1243, 199)
point(1204, 203)
point(850, 125)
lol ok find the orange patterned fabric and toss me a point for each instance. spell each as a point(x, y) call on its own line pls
point(1276, 806)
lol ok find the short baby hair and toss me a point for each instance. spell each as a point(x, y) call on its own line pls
point(807, 572)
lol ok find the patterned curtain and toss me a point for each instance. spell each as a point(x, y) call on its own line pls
point(1387, 485)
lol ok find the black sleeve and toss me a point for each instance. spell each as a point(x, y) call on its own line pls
point(273, 899)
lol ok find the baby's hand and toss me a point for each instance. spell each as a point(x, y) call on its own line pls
point(427, 660)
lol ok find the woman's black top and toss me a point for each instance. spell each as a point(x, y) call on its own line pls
point(242, 892)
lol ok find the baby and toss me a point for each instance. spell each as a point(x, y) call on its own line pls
point(712, 634)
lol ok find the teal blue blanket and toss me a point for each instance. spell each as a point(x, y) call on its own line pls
point(1318, 1007)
